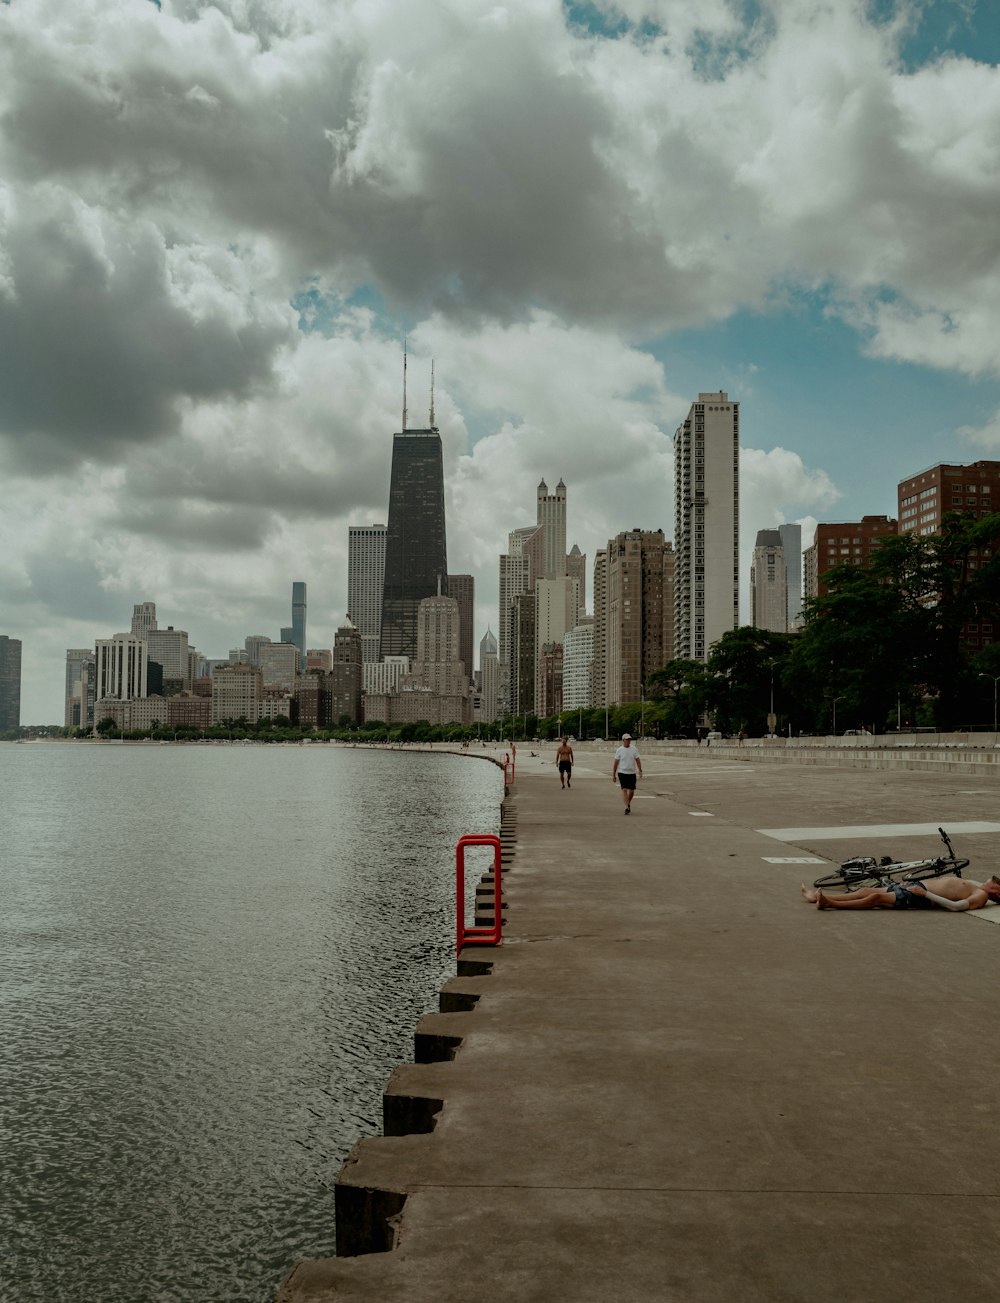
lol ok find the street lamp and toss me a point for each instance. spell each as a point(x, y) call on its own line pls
point(835, 700)
point(642, 710)
point(772, 719)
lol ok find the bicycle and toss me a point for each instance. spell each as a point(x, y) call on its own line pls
point(866, 871)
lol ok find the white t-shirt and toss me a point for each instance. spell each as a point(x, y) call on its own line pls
point(626, 757)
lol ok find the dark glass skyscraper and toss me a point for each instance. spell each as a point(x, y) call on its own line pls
point(416, 554)
point(10, 682)
point(299, 620)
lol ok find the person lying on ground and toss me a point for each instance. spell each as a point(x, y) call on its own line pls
point(948, 892)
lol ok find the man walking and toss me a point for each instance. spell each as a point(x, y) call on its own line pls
point(564, 758)
point(626, 769)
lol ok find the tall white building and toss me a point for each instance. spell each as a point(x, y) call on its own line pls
point(121, 668)
point(254, 643)
point(551, 513)
point(706, 525)
point(365, 584)
point(769, 583)
point(578, 656)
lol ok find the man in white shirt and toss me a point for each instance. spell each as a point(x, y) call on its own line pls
point(627, 768)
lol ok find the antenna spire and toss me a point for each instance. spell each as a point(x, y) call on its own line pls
point(404, 384)
point(432, 393)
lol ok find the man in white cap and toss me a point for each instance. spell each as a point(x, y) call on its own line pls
point(626, 769)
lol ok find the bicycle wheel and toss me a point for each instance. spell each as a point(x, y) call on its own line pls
point(937, 869)
point(848, 880)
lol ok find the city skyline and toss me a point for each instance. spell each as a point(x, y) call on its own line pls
point(586, 217)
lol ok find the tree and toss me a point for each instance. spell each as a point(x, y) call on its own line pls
point(746, 668)
point(681, 692)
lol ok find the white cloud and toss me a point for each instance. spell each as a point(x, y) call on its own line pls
point(535, 201)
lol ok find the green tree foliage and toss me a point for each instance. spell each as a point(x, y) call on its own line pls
point(746, 669)
point(886, 637)
point(680, 694)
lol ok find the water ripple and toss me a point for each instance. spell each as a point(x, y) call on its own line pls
point(210, 961)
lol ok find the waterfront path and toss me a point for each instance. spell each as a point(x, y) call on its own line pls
point(680, 1082)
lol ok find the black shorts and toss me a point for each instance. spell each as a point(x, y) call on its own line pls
point(627, 781)
point(565, 766)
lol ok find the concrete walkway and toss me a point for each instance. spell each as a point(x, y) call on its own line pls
point(679, 1081)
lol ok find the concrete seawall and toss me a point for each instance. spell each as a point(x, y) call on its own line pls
point(675, 1080)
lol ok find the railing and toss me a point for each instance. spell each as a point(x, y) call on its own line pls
point(477, 936)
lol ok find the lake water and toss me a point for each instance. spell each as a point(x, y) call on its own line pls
point(211, 958)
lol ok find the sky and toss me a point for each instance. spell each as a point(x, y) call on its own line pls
point(218, 222)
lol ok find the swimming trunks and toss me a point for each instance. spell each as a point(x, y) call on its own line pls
point(910, 899)
point(565, 766)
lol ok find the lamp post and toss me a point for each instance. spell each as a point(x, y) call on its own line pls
point(642, 710)
point(772, 719)
point(835, 700)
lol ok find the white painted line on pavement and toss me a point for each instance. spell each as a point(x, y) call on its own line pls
point(701, 814)
point(793, 859)
point(875, 830)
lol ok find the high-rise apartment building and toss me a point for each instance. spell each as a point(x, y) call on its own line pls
point(463, 589)
point(522, 687)
point(346, 680)
point(578, 657)
point(279, 665)
point(416, 554)
point(638, 612)
point(924, 499)
point(706, 525)
point(365, 584)
point(769, 583)
point(237, 690)
point(843, 543)
point(598, 673)
point(10, 682)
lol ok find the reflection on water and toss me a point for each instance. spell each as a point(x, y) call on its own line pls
point(210, 960)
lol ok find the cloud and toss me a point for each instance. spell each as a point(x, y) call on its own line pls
point(985, 437)
point(542, 206)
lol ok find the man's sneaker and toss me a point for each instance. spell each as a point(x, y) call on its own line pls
point(626, 809)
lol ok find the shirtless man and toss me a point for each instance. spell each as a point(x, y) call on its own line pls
point(948, 892)
point(564, 758)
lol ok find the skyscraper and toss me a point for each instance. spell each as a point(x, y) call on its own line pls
point(638, 612)
point(365, 582)
point(551, 513)
point(299, 620)
point(706, 525)
point(122, 666)
point(10, 682)
point(489, 667)
point(769, 583)
point(791, 541)
point(143, 618)
point(416, 554)
point(346, 674)
point(463, 589)
point(79, 710)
